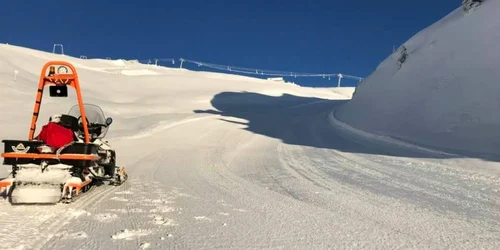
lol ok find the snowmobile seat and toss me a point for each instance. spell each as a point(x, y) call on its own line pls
point(70, 122)
point(32, 147)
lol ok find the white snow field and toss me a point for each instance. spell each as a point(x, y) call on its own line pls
point(219, 161)
point(446, 94)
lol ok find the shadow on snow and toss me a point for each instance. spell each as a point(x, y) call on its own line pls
point(297, 120)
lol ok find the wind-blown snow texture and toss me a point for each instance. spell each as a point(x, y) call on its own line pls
point(446, 94)
point(229, 162)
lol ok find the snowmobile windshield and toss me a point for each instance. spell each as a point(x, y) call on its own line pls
point(95, 117)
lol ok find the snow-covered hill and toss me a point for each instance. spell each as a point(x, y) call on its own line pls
point(446, 94)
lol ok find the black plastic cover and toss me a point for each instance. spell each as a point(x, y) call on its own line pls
point(58, 91)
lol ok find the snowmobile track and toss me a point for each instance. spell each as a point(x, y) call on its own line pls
point(92, 196)
point(32, 232)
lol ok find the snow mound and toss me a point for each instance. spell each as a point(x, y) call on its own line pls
point(159, 220)
point(440, 88)
point(145, 245)
point(118, 62)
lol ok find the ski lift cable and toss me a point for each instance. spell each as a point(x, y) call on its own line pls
point(254, 71)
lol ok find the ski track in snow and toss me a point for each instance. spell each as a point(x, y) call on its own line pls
point(30, 227)
point(138, 209)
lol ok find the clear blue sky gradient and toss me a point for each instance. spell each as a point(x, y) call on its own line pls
point(320, 36)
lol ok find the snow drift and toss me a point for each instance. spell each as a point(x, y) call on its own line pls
point(440, 89)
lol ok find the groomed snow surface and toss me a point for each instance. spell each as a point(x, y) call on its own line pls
point(224, 161)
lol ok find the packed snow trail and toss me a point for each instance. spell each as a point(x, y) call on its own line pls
point(215, 183)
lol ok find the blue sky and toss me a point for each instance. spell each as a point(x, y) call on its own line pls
point(321, 36)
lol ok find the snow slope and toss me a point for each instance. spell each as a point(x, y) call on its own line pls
point(228, 162)
point(446, 94)
point(126, 90)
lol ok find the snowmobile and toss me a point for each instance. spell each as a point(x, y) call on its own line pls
point(42, 174)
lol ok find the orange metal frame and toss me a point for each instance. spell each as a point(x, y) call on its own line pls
point(77, 186)
point(56, 79)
